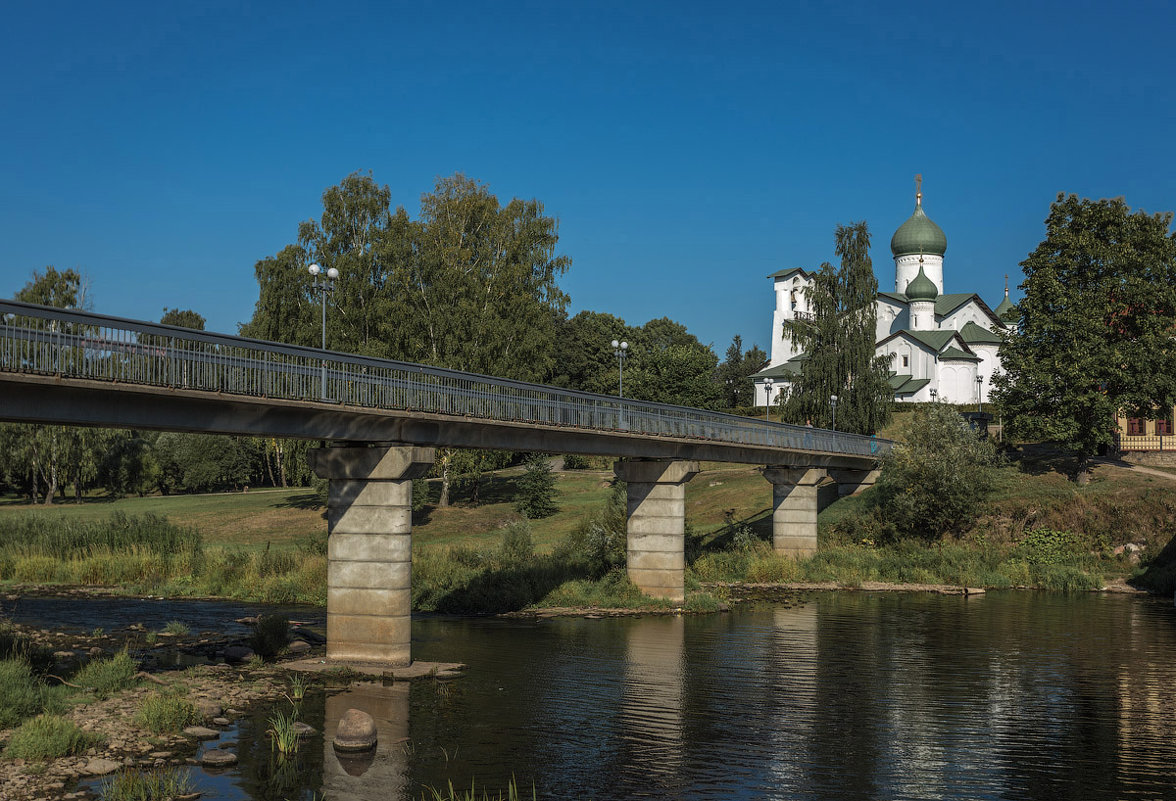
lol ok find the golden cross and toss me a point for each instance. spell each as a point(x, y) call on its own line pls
point(919, 189)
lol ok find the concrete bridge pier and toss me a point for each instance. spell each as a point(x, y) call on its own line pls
point(794, 509)
point(851, 482)
point(657, 524)
point(369, 550)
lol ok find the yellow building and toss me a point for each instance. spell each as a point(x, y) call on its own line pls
point(1147, 441)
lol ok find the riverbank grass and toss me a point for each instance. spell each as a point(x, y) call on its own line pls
point(160, 784)
point(49, 737)
point(166, 712)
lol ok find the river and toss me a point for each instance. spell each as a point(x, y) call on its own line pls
point(1009, 695)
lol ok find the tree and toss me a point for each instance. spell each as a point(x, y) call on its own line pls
point(536, 496)
point(185, 318)
point(734, 374)
point(1096, 329)
point(935, 481)
point(838, 342)
point(64, 289)
point(584, 357)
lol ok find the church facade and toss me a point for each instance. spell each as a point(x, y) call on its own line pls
point(941, 346)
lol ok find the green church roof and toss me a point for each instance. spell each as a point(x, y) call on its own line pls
point(918, 235)
point(922, 288)
point(978, 335)
point(957, 355)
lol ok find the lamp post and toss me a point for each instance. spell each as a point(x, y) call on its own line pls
point(323, 286)
point(934, 394)
point(768, 398)
point(979, 395)
point(621, 349)
point(833, 404)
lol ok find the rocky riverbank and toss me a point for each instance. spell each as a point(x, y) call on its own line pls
point(220, 693)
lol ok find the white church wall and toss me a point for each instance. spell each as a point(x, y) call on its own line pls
point(957, 383)
point(791, 300)
point(989, 366)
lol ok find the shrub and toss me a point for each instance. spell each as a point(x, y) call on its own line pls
point(517, 545)
point(1044, 546)
point(270, 635)
point(167, 712)
point(49, 737)
point(575, 461)
point(108, 676)
point(21, 695)
point(937, 480)
point(177, 628)
point(536, 497)
point(600, 541)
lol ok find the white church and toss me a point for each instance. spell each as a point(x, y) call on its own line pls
point(941, 346)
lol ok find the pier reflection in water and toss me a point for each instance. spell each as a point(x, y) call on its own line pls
point(849, 696)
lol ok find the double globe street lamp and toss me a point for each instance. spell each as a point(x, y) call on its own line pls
point(323, 286)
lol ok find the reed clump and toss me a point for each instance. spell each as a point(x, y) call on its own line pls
point(49, 737)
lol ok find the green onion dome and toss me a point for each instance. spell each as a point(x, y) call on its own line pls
point(918, 235)
point(922, 288)
point(1006, 311)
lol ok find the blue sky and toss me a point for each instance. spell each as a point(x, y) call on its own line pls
point(688, 149)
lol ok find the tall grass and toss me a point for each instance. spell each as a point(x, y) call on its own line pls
point(104, 677)
point(153, 785)
point(49, 737)
point(164, 712)
point(905, 562)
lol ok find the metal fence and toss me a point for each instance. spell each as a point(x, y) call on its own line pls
point(48, 341)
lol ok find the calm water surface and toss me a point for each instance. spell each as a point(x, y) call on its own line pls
point(848, 696)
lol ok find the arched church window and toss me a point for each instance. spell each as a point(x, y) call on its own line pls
point(793, 298)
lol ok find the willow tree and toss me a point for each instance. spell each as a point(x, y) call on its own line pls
point(837, 339)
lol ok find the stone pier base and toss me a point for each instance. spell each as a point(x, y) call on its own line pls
point(657, 524)
point(369, 550)
point(794, 509)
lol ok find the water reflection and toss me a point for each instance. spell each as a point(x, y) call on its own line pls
point(850, 696)
point(378, 774)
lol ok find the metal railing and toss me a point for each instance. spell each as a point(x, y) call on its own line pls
point(49, 341)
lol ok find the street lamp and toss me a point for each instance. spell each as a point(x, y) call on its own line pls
point(768, 398)
point(979, 395)
point(833, 403)
point(322, 287)
point(934, 393)
point(621, 349)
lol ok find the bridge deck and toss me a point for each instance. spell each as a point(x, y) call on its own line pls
point(70, 367)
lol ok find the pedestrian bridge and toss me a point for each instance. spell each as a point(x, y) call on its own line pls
point(385, 419)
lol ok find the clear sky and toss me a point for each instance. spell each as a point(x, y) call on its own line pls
point(688, 149)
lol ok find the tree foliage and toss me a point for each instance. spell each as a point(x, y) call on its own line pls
point(185, 318)
point(536, 493)
point(936, 481)
point(1096, 329)
point(734, 374)
point(665, 363)
point(837, 339)
point(471, 285)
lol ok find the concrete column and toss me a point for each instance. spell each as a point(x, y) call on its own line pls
point(851, 482)
point(369, 550)
point(657, 524)
point(794, 509)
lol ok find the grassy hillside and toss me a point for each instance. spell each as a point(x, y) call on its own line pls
point(269, 544)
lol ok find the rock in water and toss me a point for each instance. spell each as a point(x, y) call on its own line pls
point(218, 758)
point(304, 729)
point(101, 767)
point(237, 653)
point(298, 647)
point(202, 732)
point(357, 731)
